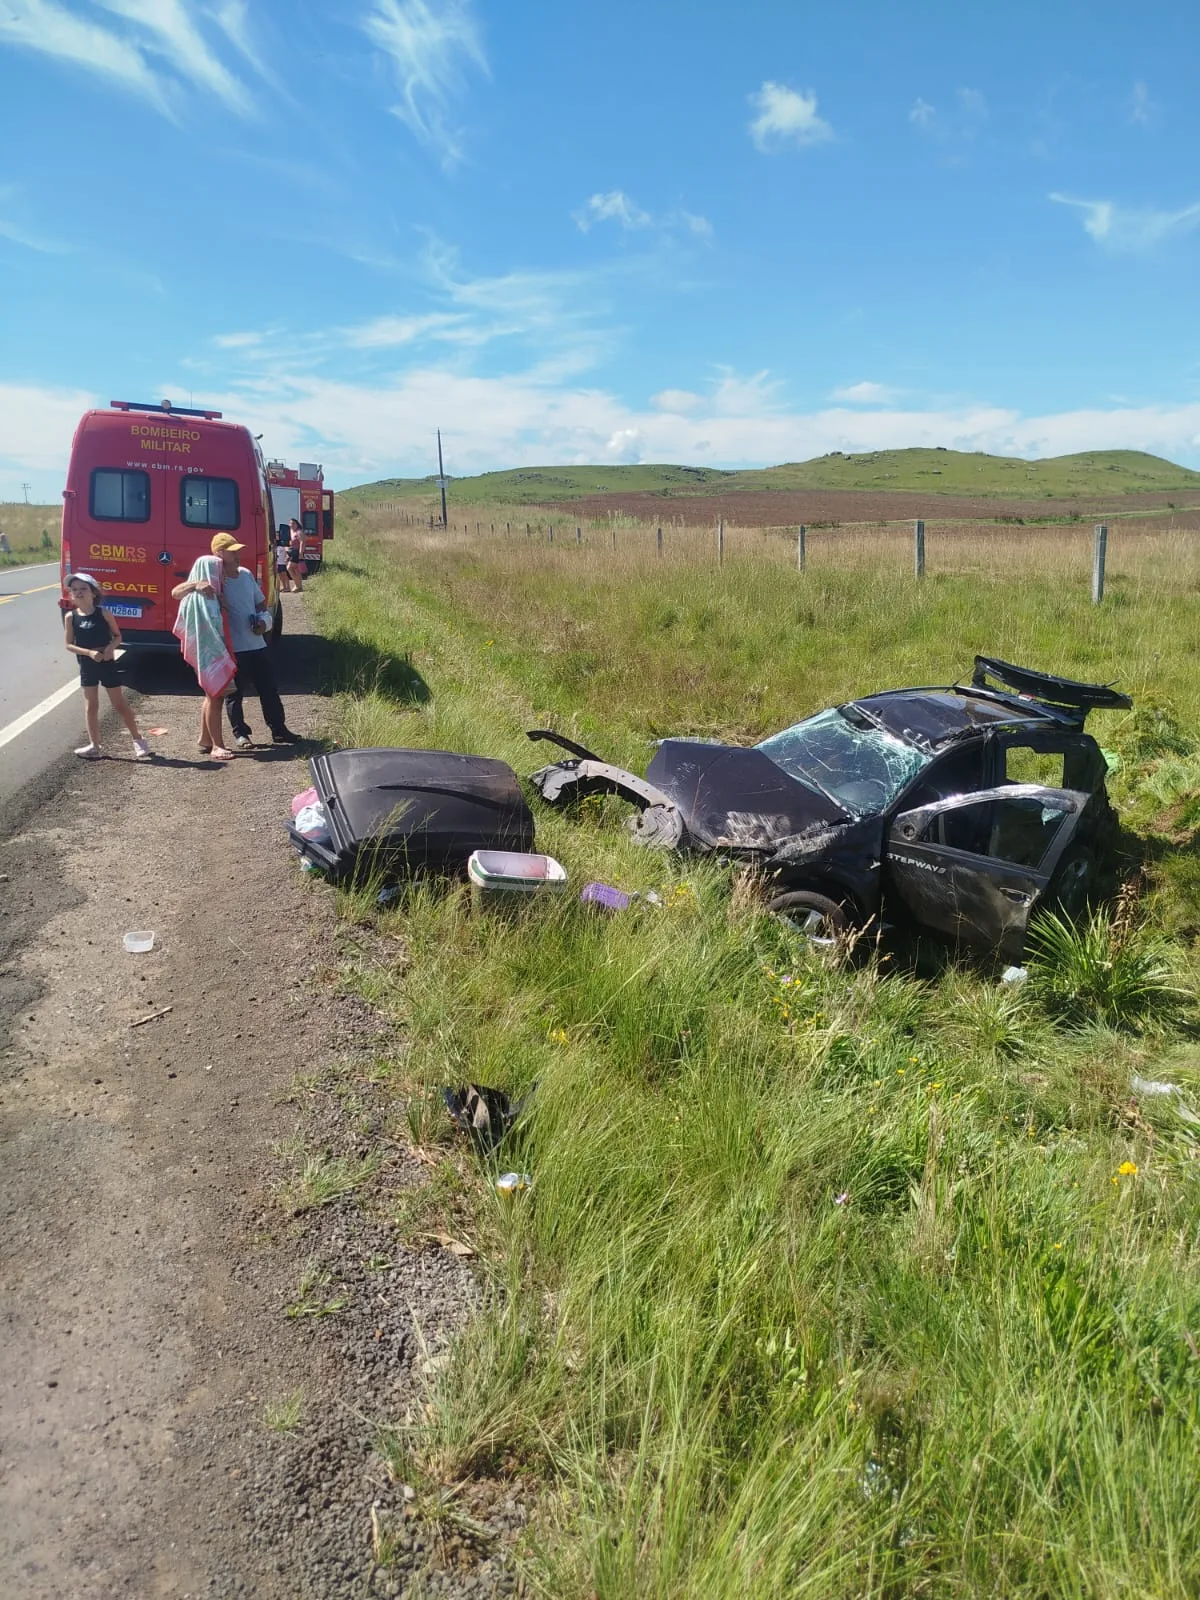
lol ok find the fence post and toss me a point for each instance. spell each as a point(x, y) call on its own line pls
point(918, 549)
point(578, 534)
point(528, 535)
point(660, 540)
point(800, 547)
point(1099, 553)
point(720, 541)
point(613, 530)
point(550, 539)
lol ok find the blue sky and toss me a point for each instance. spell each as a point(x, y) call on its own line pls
point(656, 231)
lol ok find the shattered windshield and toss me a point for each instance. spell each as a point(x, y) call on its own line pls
point(846, 756)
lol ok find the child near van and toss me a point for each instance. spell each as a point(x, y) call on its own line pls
point(283, 539)
point(93, 635)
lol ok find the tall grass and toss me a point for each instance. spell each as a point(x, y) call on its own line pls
point(832, 1281)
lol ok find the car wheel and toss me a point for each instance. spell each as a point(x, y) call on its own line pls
point(1071, 886)
point(276, 624)
point(658, 828)
point(819, 919)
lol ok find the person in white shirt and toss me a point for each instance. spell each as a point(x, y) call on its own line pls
point(244, 605)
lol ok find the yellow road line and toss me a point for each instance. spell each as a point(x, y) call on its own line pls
point(21, 593)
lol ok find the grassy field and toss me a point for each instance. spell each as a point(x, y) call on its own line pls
point(28, 529)
point(1103, 474)
point(864, 1280)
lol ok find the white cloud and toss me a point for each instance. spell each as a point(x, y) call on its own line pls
point(864, 394)
point(41, 25)
point(682, 401)
point(36, 425)
point(237, 341)
point(700, 226)
point(1142, 109)
point(232, 17)
point(375, 429)
point(973, 104)
point(615, 206)
point(922, 113)
point(390, 331)
point(172, 33)
point(429, 42)
point(786, 116)
point(1129, 229)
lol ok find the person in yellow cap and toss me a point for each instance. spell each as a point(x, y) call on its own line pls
point(244, 606)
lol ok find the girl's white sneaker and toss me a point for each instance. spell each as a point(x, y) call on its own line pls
point(141, 749)
point(89, 752)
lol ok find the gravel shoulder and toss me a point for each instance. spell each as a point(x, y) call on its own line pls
point(149, 1262)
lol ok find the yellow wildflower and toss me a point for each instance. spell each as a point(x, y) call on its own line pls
point(1128, 1169)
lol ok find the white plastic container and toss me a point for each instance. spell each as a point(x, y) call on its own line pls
point(138, 942)
point(513, 873)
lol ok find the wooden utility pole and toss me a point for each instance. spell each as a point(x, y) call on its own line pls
point(441, 477)
point(801, 551)
point(1099, 555)
point(918, 549)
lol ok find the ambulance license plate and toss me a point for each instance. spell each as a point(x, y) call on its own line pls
point(124, 608)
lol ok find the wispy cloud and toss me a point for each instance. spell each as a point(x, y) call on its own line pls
point(922, 113)
point(388, 332)
point(238, 341)
point(50, 29)
point(168, 30)
point(865, 394)
point(430, 43)
point(972, 104)
point(1130, 229)
point(171, 33)
point(615, 206)
point(17, 233)
point(786, 116)
point(1142, 109)
point(233, 19)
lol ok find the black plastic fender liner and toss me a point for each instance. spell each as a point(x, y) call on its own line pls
point(659, 827)
point(567, 781)
point(563, 742)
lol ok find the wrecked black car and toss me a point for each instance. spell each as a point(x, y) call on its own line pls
point(959, 810)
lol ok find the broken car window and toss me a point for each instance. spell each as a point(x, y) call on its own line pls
point(1019, 831)
point(861, 766)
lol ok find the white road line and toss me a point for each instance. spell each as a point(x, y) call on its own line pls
point(42, 709)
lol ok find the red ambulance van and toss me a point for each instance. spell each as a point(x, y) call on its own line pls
point(147, 487)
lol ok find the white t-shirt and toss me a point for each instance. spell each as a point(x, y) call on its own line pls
point(243, 598)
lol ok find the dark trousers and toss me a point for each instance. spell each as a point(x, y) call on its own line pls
point(255, 674)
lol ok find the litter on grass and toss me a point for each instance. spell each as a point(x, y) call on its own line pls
point(1156, 1089)
point(484, 1114)
point(513, 872)
point(511, 1183)
point(607, 897)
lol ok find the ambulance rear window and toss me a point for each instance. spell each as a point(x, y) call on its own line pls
point(119, 496)
point(210, 503)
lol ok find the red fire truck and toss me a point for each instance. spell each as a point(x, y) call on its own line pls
point(301, 493)
point(147, 487)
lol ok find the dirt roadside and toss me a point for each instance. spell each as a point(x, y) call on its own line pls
point(148, 1264)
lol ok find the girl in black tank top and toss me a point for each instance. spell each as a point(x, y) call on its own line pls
point(93, 635)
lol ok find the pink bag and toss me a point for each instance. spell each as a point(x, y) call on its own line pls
point(307, 797)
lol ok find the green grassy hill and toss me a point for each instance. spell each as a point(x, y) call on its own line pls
point(1097, 473)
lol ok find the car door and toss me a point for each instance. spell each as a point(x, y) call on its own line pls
point(974, 867)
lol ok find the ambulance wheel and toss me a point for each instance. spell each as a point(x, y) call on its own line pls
point(276, 632)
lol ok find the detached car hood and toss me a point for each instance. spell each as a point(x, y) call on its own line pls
point(735, 798)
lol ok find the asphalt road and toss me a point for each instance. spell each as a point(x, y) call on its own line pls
point(41, 707)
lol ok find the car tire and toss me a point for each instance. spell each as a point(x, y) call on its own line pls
point(276, 632)
point(821, 920)
point(1071, 886)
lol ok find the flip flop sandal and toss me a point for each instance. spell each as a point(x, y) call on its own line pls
point(220, 754)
